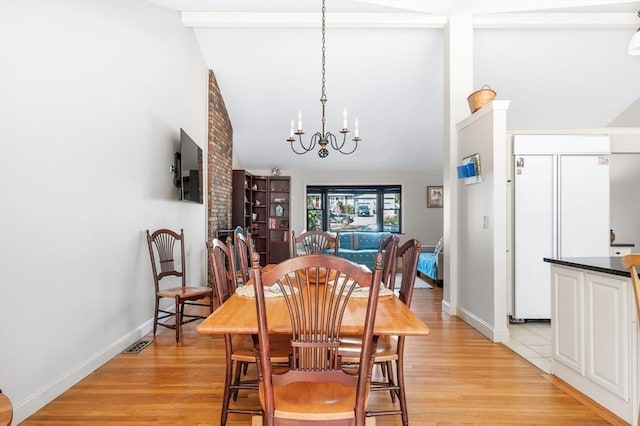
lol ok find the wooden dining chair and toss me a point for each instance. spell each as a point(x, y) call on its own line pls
point(6, 410)
point(632, 263)
point(389, 249)
point(239, 351)
point(313, 242)
point(244, 249)
point(315, 389)
point(390, 350)
point(166, 250)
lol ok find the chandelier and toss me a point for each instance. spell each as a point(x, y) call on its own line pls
point(323, 138)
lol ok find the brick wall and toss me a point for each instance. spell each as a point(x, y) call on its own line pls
point(219, 162)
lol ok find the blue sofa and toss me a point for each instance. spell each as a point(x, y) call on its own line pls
point(360, 247)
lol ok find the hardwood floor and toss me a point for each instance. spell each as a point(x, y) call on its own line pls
point(455, 376)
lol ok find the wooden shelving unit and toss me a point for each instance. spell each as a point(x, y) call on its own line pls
point(261, 207)
point(278, 240)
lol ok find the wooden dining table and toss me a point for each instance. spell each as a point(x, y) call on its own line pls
point(238, 316)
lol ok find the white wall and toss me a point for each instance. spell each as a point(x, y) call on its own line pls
point(92, 97)
point(418, 221)
point(482, 224)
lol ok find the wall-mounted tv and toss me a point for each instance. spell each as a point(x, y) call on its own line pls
point(188, 169)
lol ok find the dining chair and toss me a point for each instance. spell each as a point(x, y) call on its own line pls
point(313, 242)
point(389, 248)
point(315, 389)
point(166, 250)
point(239, 351)
point(6, 410)
point(244, 248)
point(632, 262)
point(390, 349)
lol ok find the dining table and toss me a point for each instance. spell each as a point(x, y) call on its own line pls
point(238, 316)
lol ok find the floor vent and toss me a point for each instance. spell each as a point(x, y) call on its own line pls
point(138, 346)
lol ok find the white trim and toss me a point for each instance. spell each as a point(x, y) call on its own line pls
point(496, 336)
point(405, 20)
point(48, 393)
point(311, 20)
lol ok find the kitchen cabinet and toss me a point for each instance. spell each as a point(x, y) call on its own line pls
point(595, 336)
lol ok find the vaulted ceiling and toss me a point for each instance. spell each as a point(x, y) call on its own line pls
point(561, 63)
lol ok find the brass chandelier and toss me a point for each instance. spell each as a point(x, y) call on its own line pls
point(323, 138)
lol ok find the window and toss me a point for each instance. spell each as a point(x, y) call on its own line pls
point(354, 208)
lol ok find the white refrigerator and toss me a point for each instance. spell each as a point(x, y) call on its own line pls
point(561, 209)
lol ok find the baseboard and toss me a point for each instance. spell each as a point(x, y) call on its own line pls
point(447, 309)
point(25, 408)
point(483, 327)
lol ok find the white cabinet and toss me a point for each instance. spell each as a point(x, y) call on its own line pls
point(568, 310)
point(594, 346)
point(607, 332)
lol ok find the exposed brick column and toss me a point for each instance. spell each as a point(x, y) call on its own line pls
point(219, 162)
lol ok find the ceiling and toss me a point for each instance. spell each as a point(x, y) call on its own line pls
point(561, 63)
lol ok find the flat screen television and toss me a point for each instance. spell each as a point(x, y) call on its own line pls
point(188, 169)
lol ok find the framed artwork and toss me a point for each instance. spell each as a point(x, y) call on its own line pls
point(476, 176)
point(434, 196)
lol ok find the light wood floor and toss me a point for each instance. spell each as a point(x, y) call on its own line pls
point(455, 376)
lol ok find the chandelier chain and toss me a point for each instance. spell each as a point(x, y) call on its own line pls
point(323, 50)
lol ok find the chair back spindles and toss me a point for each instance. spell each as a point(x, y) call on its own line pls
point(389, 249)
point(317, 289)
point(221, 259)
point(313, 242)
point(408, 254)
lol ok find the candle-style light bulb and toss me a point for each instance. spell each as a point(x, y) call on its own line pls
point(344, 118)
point(291, 130)
point(300, 120)
point(356, 128)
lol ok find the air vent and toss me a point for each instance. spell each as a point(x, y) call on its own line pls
point(138, 346)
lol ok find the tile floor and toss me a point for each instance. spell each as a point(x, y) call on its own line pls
point(532, 341)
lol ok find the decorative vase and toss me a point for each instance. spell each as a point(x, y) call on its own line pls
point(254, 216)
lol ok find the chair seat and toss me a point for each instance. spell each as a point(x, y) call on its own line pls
point(180, 291)
point(244, 351)
point(313, 401)
point(6, 410)
point(386, 349)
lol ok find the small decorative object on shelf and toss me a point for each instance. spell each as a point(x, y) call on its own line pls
point(254, 216)
point(279, 210)
point(275, 171)
point(480, 98)
point(254, 187)
point(257, 202)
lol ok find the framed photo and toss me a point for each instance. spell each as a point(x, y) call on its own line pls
point(434, 196)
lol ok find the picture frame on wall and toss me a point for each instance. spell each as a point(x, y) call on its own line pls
point(435, 196)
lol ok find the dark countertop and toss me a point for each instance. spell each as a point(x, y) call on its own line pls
point(622, 245)
point(607, 265)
